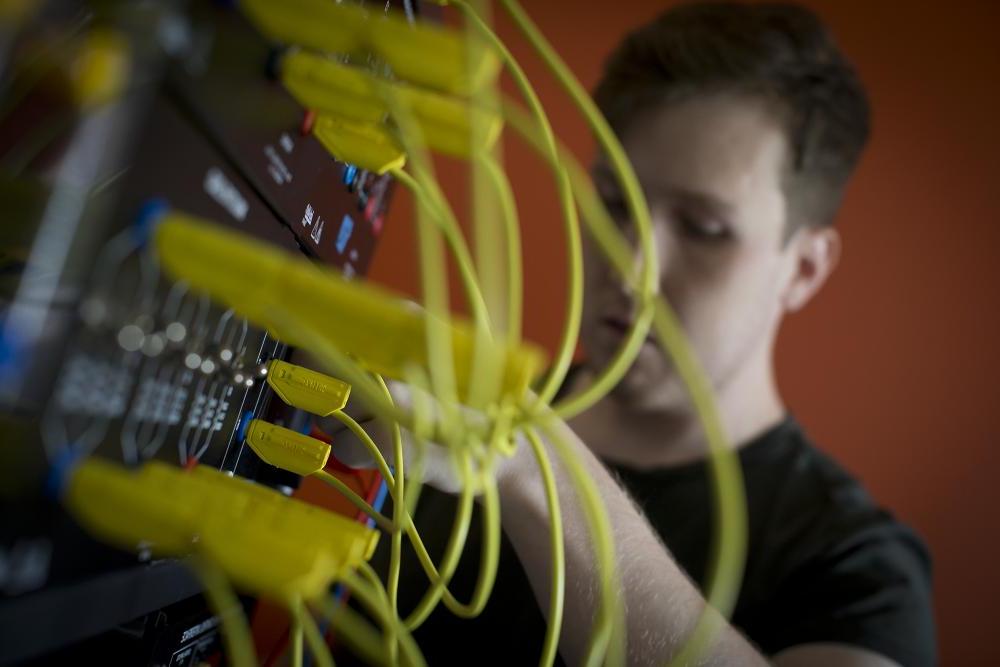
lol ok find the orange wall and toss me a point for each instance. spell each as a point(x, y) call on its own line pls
point(891, 368)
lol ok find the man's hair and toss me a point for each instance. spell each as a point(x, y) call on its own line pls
point(781, 53)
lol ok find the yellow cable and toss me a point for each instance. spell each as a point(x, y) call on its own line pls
point(610, 616)
point(488, 559)
point(452, 553)
point(484, 206)
point(355, 631)
point(383, 522)
point(296, 637)
point(485, 378)
point(491, 539)
point(433, 205)
point(366, 440)
point(610, 239)
point(434, 201)
point(729, 548)
point(226, 606)
point(409, 652)
point(385, 599)
point(608, 629)
point(399, 517)
point(423, 425)
point(574, 304)
point(495, 225)
point(512, 249)
point(313, 637)
point(440, 361)
point(725, 567)
point(442, 375)
point(491, 532)
point(726, 479)
point(557, 573)
point(489, 556)
point(434, 282)
point(369, 574)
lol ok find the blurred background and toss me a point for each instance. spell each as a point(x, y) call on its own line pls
point(891, 368)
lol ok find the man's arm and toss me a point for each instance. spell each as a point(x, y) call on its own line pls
point(662, 605)
point(830, 655)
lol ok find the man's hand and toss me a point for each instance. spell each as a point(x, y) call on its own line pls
point(437, 465)
point(662, 605)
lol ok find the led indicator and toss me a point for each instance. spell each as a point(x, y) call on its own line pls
point(308, 120)
point(344, 235)
point(350, 171)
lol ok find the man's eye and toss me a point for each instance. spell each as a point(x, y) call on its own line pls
point(703, 229)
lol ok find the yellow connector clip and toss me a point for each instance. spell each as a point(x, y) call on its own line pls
point(287, 449)
point(270, 286)
point(266, 543)
point(131, 509)
point(424, 54)
point(367, 145)
point(307, 389)
point(349, 92)
point(316, 25)
point(100, 71)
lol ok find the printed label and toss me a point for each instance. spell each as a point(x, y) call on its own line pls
point(219, 188)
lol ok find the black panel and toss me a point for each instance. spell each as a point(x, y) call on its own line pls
point(92, 362)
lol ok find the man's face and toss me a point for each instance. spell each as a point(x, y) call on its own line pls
point(711, 169)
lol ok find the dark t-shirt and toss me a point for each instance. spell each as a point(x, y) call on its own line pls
point(825, 564)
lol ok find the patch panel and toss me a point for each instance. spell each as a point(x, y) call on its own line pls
point(124, 363)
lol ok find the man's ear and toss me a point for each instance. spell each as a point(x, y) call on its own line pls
point(815, 252)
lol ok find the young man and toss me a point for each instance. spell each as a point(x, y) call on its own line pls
point(743, 123)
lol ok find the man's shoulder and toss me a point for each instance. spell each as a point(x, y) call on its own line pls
point(804, 506)
point(828, 563)
point(810, 494)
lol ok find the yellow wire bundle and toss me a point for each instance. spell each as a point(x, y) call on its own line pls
point(477, 431)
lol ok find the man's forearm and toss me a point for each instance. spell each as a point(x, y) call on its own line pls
point(662, 605)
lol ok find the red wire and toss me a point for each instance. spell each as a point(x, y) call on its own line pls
point(370, 496)
point(278, 649)
point(320, 434)
point(361, 516)
point(315, 432)
point(282, 645)
point(333, 462)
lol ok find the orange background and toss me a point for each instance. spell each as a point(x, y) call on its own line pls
point(891, 369)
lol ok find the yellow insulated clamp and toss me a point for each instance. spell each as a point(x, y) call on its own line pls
point(367, 145)
point(307, 389)
point(266, 543)
point(130, 509)
point(100, 71)
point(271, 287)
point(287, 449)
point(424, 54)
point(333, 88)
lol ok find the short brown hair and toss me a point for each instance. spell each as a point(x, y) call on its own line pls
point(780, 52)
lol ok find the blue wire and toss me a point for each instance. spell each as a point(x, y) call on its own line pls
point(339, 592)
point(379, 500)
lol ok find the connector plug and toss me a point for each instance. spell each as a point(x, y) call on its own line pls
point(287, 449)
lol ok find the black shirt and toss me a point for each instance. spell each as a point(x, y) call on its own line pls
point(825, 564)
